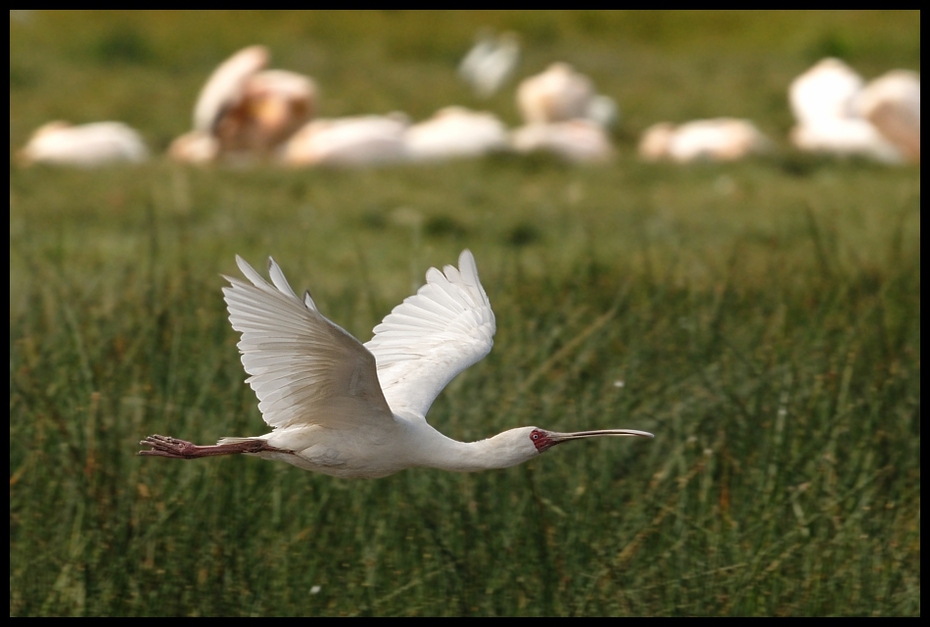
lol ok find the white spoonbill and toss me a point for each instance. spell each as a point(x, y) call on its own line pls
point(355, 410)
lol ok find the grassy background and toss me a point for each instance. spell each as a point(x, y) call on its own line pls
point(763, 318)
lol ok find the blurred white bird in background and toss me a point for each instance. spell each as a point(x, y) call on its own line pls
point(576, 141)
point(838, 114)
point(350, 410)
point(565, 116)
point(491, 62)
point(825, 91)
point(246, 111)
point(85, 145)
point(891, 103)
point(560, 94)
point(455, 132)
point(356, 141)
point(718, 139)
point(845, 137)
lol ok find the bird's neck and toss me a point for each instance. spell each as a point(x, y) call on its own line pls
point(438, 451)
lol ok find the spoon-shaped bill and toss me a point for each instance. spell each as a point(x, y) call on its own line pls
point(544, 440)
point(563, 437)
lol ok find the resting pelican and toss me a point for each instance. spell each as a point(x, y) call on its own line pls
point(719, 139)
point(455, 132)
point(835, 115)
point(245, 110)
point(85, 145)
point(578, 141)
point(351, 141)
point(891, 103)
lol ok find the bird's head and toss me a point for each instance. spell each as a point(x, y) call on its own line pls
point(542, 440)
point(522, 444)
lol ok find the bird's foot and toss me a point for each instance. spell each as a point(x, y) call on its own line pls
point(164, 446)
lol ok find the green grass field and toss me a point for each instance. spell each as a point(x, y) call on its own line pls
point(761, 318)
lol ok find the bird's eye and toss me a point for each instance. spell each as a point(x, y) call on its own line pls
point(535, 436)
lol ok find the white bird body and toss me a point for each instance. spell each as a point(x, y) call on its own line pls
point(578, 141)
point(455, 132)
point(846, 137)
point(490, 63)
point(358, 411)
point(718, 139)
point(244, 111)
point(838, 114)
point(85, 145)
point(350, 141)
point(197, 147)
point(558, 94)
point(891, 103)
point(826, 91)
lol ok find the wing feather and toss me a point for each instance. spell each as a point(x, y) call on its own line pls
point(432, 336)
point(304, 368)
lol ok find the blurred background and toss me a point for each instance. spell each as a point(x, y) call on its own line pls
point(761, 317)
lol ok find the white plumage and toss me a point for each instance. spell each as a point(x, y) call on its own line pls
point(351, 410)
point(244, 110)
point(490, 63)
point(717, 139)
point(838, 114)
point(354, 141)
point(578, 141)
point(455, 132)
point(556, 95)
point(826, 91)
point(85, 145)
point(891, 103)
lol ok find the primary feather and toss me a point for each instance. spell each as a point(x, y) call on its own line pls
point(432, 336)
point(306, 370)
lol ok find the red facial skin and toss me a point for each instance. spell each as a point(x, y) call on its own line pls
point(541, 440)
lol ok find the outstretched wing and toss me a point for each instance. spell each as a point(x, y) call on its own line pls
point(304, 369)
point(432, 336)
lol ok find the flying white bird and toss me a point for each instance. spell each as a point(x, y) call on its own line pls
point(491, 62)
point(350, 410)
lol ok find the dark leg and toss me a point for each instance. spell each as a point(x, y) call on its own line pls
point(163, 446)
